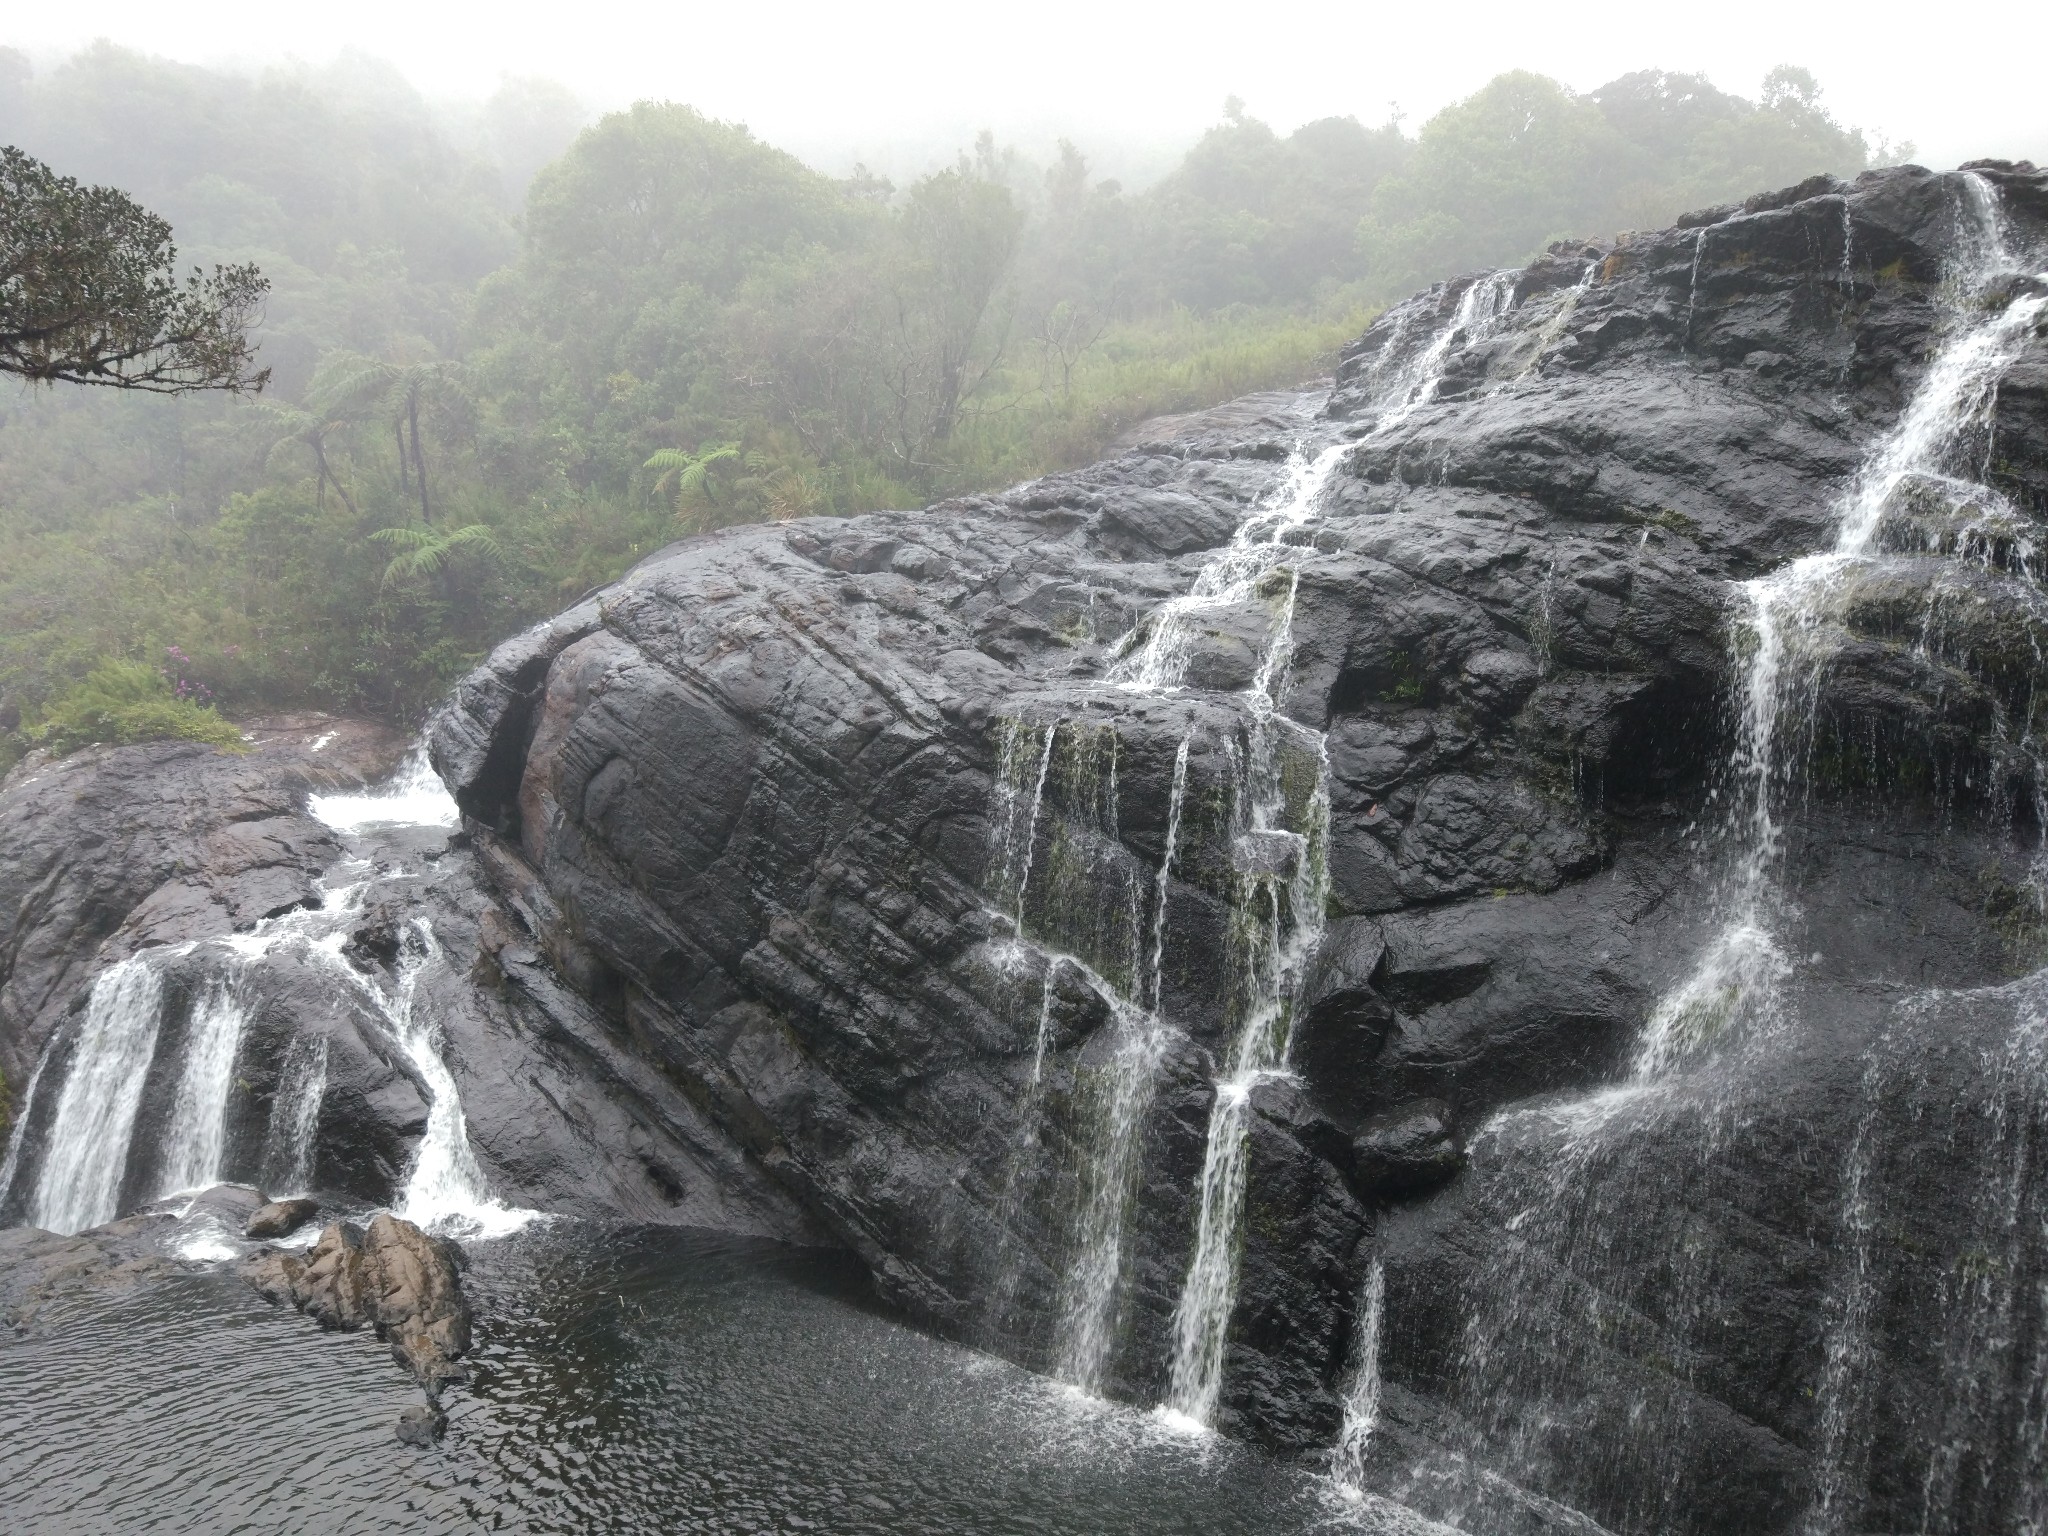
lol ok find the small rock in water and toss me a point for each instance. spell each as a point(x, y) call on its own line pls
point(281, 1218)
point(421, 1425)
point(1408, 1151)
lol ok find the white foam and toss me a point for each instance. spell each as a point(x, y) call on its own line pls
point(415, 797)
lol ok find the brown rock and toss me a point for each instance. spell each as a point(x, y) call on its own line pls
point(333, 1288)
point(276, 1275)
point(415, 1298)
point(281, 1218)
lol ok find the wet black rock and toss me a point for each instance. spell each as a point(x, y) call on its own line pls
point(1408, 1151)
point(743, 801)
point(728, 940)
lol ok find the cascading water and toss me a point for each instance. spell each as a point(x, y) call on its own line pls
point(86, 1149)
point(199, 1119)
point(289, 1140)
point(1785, 633)
point(445, 1187)
point(1362, 1387)
point(415, 797)
point(1582, 1289)
point(1231, 577)
point(1275, 928)
point(1415, 381)
point(1084, 925)
point(1279, 835)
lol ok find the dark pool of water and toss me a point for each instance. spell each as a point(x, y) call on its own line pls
point(655, 1381)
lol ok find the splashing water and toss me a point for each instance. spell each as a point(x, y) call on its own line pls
point(415, 797)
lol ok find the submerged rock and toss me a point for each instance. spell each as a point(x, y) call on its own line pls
point(38, 1267)
point(421, 1425)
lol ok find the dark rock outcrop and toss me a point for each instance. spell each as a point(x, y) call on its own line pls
point(744, 799)
point(738, 931)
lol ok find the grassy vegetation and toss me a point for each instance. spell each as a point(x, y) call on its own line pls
point(507, 365)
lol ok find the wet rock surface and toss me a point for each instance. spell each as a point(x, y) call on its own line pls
point(37, 1267)
point(280, 1218)
point(731, 934)
point(744, 796)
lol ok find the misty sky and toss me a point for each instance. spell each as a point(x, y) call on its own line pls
point(834, 79)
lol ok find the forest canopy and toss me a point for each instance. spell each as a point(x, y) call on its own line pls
point(509, 353)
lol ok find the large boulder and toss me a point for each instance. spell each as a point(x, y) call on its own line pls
point(760, 801)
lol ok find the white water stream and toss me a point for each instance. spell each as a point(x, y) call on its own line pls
point(1791, 626)
point(87, 1152)
point(88, 1144)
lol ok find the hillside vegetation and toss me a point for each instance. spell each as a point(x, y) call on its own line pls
point(509, 357)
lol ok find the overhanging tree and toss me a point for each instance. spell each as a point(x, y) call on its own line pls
point(89, 293)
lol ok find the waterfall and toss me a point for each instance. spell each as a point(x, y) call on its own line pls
point(1784, 629)
point(85, 1152)
point(415, 797)
point(1230, 577)
point(445, 1187)
point(289, 1139)
point(1481, 308)
point(1173, 805)
point(1086, 924)
point(199, 1118)
point(1276, 926)
point(1013, 829)
point(12, 1164)
point(1842, 1455)
point(86, 1147)
point(1362, 1390)
point(1122, 1092)
point(1277, 904)
point(1567, 1375)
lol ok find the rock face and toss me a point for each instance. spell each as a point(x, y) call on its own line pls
point(114, 850)
point(394, 1278)
point(1638, 934)
point(758, 803)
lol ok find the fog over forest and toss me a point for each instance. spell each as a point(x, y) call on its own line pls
point(515, 344)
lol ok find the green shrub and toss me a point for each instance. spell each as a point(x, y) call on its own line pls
point(124, 701)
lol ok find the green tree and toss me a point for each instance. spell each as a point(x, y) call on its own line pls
point(89, 295)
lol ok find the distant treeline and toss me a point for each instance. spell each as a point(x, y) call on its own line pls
point(509, 357)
